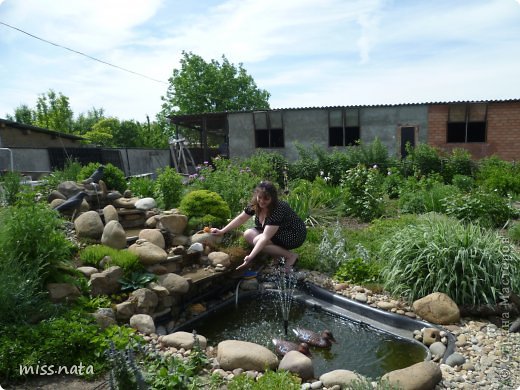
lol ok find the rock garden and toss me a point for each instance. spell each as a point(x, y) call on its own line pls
point(98, 271)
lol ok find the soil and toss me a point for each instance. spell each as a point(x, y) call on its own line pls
point(59, 382)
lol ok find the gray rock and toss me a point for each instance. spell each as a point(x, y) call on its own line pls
point(455, 359)
point(145, 204)
point(438, 349)
point(420, 376)
point(146, 300)
point(154, 236)
point(233, 354)
point(143, 323)
point(219, 258)
point(149, 253)
point(438, 308)
point(62, 292)
point(110, 214)
point(106, 282)
point(89, 225)
point(114, 235)
point(342, 378)
point(174, 223)
point(297, 363)
point(175, 284)
point(184, 340)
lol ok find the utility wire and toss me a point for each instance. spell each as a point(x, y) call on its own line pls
point(83, 54)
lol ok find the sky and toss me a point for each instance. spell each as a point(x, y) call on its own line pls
point(305, 53)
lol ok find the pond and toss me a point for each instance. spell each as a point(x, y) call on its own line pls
point(359, 347)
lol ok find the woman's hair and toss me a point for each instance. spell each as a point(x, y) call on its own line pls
point(265, 189)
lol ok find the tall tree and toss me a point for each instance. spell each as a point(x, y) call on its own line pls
point(85, 122)
point(53, 112)
point(22, 114)
point(201, 86)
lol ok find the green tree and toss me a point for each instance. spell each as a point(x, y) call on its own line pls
point(201, 86)
point(22, 114)
point(85, 122)
point(53, 112)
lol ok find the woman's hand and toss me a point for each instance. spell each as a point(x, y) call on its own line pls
point(248, 259)
point(216, 232)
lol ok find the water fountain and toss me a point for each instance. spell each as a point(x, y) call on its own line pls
point(285, 283)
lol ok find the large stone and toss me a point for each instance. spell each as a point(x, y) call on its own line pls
point(154, 236)
point(149, 253)
point(105, 317)
point(110, 214)
point(243, 354)
point(125, 310)
point(206, 239)
point(174, 223)
point(174, 283)
point(62, 292)
point(146, 300)
point(342, 378)
point(184, 340)
point(106, 282)
point(114, 235)
point(69, 188)
point(89, 225)
point(219, 258)
point(297, 363)
point(143, 323)
point(87, 271)
point(420, 376)
point(437, 308)
point(145, 204)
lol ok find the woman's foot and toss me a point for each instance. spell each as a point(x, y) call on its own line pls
point(290, 262)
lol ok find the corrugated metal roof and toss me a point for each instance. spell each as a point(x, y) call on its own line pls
point(17, 125)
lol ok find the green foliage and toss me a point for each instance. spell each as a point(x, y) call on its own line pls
point(143, 187)
point(136, 280)
point(53, 112)
point(459, 162)
point(393, 182)
point(315, 202)
point(203, 207)
point(10, 187)
point(494, 174)
point(306, 167)
point(514, 232)
point(124, 372)
point(93, 254)
point(66, 340)
point(369, 154)
point(363, 192)
point(487, 209)
point(424, 195)
point(267, 165)
point(270, 380)
point(308, 255)
point(113, 177)
point(70, 172)
point(31, 235)
point(168, 188)
point(463, 183)
point(366, 384)
point(233, 181)
point(332, 250)
point(358, 269)
point(441, 254)
point(91, 304)
point(424, 159)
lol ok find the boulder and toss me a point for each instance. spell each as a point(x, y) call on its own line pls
point(143, 323)
point(431, 336)
point(297, 363)
point(62, 292)
point(154, 236)
point(174, 223)
point(114, 235)
point(206, 239)
point(69, 188)
point(145, 204)
point(106, 282)
point(233, 354)
point(87, 271)
point(219, 258)
point(125, 310)
point(110, 214)
point(125, 203)
point(105, 317)
point(184, 340)
point(174, 283)
point(420, 376)
point(89, 225)
point(146, 300)
point(149, 253)
point(437, 308)
point(342, 378)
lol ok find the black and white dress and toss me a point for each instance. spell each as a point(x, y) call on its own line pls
point(291, 232)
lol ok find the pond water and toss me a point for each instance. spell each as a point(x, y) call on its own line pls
point(359, 347)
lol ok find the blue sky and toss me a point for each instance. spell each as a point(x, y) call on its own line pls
point(306, 53)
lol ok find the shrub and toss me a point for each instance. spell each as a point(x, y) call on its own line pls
point(459, 162)
point(270, 380)
point(514, 232)
point(203, 207)
point(143, 187)
point(306, 167)
point(424, 195)
point(70, 172)
point(266, 165)
point(424, 159)
point(363, 192)
point(441, 254)
point(228, 178)
point(113, 177)
point(463, 183)
point(10, 187)
point(487, 209)
point(494, 174)
point(392, 183)
point(168, 188)
point(332, 250)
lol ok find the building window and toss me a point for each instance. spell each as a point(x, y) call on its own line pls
point(268, 129)
point(344, 127)
point(467, 123)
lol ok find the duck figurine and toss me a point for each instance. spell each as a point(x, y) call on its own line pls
point(323, 340)
point(281, 347)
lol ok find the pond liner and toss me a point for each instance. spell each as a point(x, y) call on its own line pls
point(397, 325)
point(393, 323)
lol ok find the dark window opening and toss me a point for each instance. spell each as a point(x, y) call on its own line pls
point(477, 132)
point(456, 132)
point(262, 138)
point(272, 138)
point(276, 139)
point(352, 135)
point(335, 136)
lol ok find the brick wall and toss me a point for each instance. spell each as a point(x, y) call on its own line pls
point(503, 131)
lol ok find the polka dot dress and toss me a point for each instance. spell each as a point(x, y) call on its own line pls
point(291, 232)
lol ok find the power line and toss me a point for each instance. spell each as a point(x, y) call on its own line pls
point(83, 54)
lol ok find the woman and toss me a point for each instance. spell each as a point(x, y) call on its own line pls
point(277, 227)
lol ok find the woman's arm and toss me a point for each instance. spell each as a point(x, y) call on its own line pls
point(239, 220)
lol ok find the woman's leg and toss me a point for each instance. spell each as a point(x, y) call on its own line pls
point(276, 250)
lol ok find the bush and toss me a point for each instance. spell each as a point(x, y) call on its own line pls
point(143, 187)
point(266, 165)
point(270, 380)
point(228, 178)
point(441, 254)
point(463, 183)
point(488, 209)
point(424, 159)
point(332, 251)
point(10, 187)
point(514, 232)
point(70, 172)
point(168, 188)
point(203, 208)
point(459, 162)
point(494, 174)
point(363, 192)
point(113, 177)
point(424, 195)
